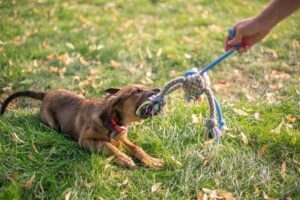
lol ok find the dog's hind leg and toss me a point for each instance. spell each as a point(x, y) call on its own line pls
point(140, 154)
point(49, 118)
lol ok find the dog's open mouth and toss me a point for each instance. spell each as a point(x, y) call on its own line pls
point(149, 109)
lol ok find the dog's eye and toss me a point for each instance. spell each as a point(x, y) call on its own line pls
point(137, 91)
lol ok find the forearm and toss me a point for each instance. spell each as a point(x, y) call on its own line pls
point(276, 11)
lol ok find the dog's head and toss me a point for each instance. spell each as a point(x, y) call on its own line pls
point(125, 102)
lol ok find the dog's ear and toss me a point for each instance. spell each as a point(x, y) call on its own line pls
point(112, 90)
point(107, 110)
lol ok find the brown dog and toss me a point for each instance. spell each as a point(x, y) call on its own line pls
point(96, 124)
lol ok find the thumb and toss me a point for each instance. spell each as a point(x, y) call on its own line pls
point(237, 38)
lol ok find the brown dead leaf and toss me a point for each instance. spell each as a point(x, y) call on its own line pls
point(28, 183)
point(225, 195)
point(256, 192)
point(45, 45)
point(201, 196)
point(83, 61)
point(262, 151)
point(65, 59)
point(13, 176)
point(291, 119)
point(30, 156)
point(215, 195)
point(52, 69)
point(94, 71)
point(115, 64)
point(61, 72)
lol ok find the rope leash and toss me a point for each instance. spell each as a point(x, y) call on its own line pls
point(194, 84)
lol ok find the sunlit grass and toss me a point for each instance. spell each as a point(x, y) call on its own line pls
point(89, 46)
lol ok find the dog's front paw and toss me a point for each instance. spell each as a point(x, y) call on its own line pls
point(125, 161)
point(151, 162)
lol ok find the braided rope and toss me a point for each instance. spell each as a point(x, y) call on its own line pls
point(194, 86)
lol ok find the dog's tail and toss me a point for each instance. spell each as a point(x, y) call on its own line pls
point(32, 94)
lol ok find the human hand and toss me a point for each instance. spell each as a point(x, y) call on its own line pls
point(247, 33)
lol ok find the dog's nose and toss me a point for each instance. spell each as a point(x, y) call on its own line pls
point(156, 90)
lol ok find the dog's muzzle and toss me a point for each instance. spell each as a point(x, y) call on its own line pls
point(150, 107)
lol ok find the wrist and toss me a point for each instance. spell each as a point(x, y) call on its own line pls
point(264, 23)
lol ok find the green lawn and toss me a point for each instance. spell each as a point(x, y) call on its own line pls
point(88, 46)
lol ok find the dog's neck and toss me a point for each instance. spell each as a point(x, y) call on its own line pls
point(117, 117)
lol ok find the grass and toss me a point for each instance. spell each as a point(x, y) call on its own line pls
point(87, 46)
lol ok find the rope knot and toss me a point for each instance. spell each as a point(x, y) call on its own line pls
point(194, 86)
point(210, 123)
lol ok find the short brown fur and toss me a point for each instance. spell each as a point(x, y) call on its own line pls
point(88, 121)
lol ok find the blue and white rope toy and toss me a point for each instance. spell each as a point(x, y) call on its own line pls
point(194, 84)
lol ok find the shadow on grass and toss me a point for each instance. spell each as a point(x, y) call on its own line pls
point(52, 161)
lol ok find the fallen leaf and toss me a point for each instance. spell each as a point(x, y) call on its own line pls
point(262, 151)
point(155, 187)
point(176, 161)
point(34, 148)
point(277, 130)
point(65, 58)
point(30, 156)
point(100, 46)
point(244, 138)
point(240, 112)
point(158, 54)
point(100, 198)
point(283, 169)
point(68, 195)
point(52, 69)
point(230, 135)
point(13, 176)
point(257, 116)
point(83, 61)
point(28, 183)
point(15, 138)
point(125, 182)
point(266, 197)
point(291, 119)
point(149, 54)
point(70, 45)
point(201, 196)
point(256, 192)
point(270, 98)
point(195, 119)
point(115, 64)
point(225, 195)
point(187, 56)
